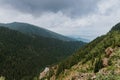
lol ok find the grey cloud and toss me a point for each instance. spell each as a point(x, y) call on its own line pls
point(69, 7)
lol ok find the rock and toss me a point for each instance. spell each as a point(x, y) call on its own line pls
point(109, 51)
point(93, 78)
point(105, 62)
point(44, 73)
point(104, 71)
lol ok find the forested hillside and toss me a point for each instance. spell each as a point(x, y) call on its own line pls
point(102, 54)
point(22, 57)
point(33, 30)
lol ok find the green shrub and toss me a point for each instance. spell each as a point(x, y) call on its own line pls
point(98, 65)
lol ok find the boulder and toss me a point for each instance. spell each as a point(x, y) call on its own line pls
point(44, 73)
point(109, 51)
point(105, 62)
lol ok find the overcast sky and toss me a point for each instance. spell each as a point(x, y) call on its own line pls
point(81, 18)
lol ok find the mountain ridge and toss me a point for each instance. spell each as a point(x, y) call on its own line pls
point(116, 27)
point(35, 30)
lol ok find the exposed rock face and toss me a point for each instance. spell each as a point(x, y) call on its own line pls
point(44, 73)
point(93, 77)
point(109, 51)
point(105, 62)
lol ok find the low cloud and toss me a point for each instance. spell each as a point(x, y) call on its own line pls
point(86, 24)
point(68, 7)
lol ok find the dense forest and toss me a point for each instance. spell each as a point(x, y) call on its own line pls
point(22, 57)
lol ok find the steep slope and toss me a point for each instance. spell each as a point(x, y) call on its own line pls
point(23, 56)
point(98, 60)
point(35, 30)
point(116, 27)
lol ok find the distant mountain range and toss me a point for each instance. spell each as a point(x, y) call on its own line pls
point(35, 30)
point(78, 38)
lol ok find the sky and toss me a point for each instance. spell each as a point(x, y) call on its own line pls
point(78, 18)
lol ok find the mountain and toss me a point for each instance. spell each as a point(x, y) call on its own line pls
point(98, 60)
point(35, 30)
point(116, 27)
point(80, 39)
point(22, 56)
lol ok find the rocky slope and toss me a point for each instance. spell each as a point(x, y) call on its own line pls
point(99, 60)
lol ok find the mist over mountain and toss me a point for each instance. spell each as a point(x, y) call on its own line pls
point(80, 39)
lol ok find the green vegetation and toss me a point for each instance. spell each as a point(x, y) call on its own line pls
point(92, 52)
point(98, 65)
point(113, 69)
point(22, 57)
point(110, 76)
point(116, 27)
point(33, 30)
point(2, 78)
